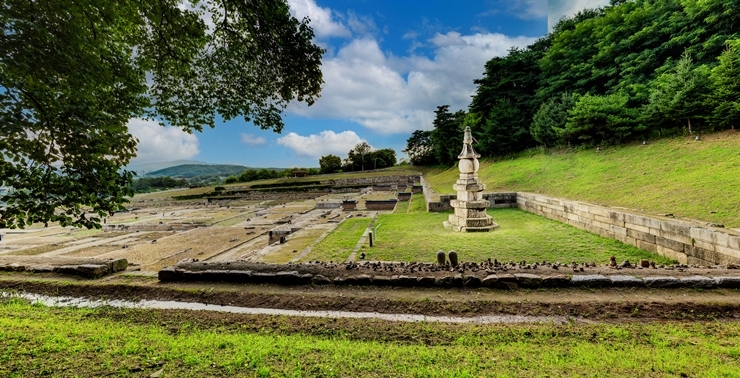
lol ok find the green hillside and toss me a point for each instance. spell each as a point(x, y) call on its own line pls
point(690, 179)
point(194, 170)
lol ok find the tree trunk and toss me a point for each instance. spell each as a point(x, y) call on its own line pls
point(689, 121)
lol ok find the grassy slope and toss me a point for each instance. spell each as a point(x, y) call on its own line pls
point(696, 180)
point(417, 236)
point(37, 341)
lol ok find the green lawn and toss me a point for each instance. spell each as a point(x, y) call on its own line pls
point(338, 245)
point(42, 341)
point(522, 236)
point(699, 180)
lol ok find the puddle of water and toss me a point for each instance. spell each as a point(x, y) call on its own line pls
point(174, 305)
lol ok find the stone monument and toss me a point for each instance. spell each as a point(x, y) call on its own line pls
point(470, 207)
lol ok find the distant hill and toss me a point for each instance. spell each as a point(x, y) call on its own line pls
point(195, 170)
point(143, 169)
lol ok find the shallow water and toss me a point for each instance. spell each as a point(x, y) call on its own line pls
point(174, 305)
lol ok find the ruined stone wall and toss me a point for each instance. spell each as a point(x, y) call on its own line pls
point(151, 227)
point(370, 181)
point(380, 204)
point(687, 242)
point(263, 196)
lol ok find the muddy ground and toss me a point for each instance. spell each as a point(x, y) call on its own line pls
point(606, 304)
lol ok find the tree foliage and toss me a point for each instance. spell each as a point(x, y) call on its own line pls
point(419, 148)
point(330, 164)
point(627, 74)
point(72, 73)
point(447, 127)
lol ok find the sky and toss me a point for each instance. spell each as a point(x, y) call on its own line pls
point(388, 65)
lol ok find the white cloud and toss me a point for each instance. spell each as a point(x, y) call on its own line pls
point(390, 94)
point(158, 143)
point(252, 140)
point(528, 9)
point(322, 22)
point(323, 143)
point(559, 8)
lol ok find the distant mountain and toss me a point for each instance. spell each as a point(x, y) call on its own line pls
point(143, 169)
point(196, 170)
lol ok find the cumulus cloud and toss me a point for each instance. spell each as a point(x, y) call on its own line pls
point(252, 140)
point(390, 94)
point(323, 143)
point(157, 143)
point(322, 21)
point(559, 8)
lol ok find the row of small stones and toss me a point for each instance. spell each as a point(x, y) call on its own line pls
point(505, 281)
point(495, 265)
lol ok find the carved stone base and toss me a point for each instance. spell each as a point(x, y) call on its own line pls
point(460, 224)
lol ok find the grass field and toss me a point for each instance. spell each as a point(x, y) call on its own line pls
point(522, 236)
point(698, 180)
point(338, 245)
point(37, 341)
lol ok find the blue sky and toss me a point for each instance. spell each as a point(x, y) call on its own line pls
point(388, 65)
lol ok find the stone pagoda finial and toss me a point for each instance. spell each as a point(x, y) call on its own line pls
point(468, 152)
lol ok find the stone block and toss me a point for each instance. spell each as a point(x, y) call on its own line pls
point(425, 281)
point(505, 281)
point(556, 281)
point(680, 228)
point(685, 239)
point(320, 280)
point(617, 230)
point(673, 255)
point(590, 280)
point(381, 281)
point(239, 276)
point(661, 282)
point(728, 282)
point(169, 274)
point(642, 220)
point(287, 277)
point(118, 265)
point(670, 244)
point(599, 211)
point(528, 280)
point(626, 281)
point(703, 254)
point(261, 277)
point(702, 234)
point(650, 247)
point(642, 236)
point(472, 281)
point(703, 244)
point(489, 280)
point(698, 282)
point(733, 242)
point(92, 270)
point(730, 252)
point(626, 239)
point(363, 280)
point(637, 227)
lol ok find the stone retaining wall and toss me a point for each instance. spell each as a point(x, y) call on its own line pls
point(684, 241)
point(151, 227)
point(496, 281)
point(380, 204)
point(370, 181)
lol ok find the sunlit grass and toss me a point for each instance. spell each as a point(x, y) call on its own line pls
point(338, 245)
point(521, 236)
point(36, 341)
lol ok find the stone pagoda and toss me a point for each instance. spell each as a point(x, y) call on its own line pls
point(470, 207)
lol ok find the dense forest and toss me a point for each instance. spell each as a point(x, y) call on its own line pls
point(361, 157)
point(631, 71)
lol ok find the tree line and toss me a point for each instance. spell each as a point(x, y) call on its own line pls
point(267, 174)
point(360, 158)
point(633, 70)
